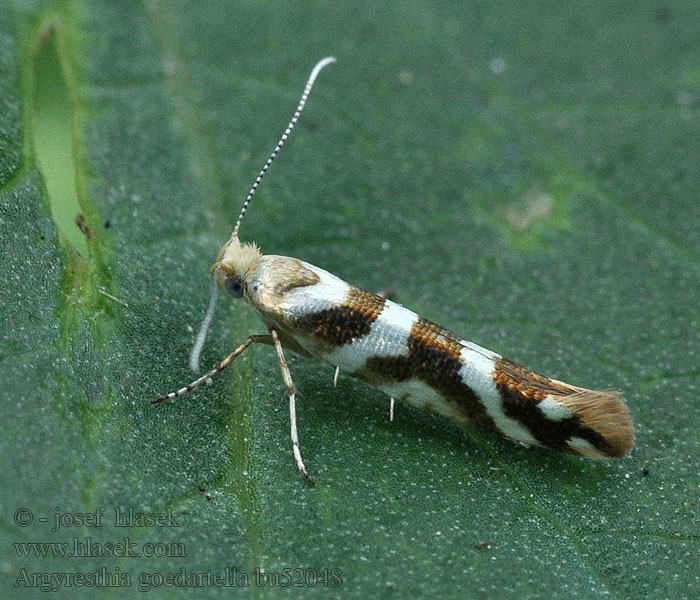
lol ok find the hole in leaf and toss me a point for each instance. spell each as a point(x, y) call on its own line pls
point(53, 140)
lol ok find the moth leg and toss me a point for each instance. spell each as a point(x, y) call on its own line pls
point(335, 377)
point(291, 392)
point(253, 339)
point(391, 408)
point(385, 293)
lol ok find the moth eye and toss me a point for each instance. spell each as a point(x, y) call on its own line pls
point(234, 287)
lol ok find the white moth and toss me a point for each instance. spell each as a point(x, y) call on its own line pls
point(314, 313)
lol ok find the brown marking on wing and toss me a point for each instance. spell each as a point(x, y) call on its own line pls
point(607, 414)
point(293, 276)
point(433, 357)
point(435, 336)
point(368, 304)
point(600, 418)
point(530, 385)
point(340, 325)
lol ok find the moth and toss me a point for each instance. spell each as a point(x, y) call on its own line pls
point(312, 312)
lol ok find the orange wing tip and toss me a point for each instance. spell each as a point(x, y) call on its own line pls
point(605, 413)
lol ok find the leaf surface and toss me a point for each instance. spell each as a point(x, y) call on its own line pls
point(526, 177)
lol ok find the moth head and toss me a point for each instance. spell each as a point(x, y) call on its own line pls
point(230, 271)
point(233, 265)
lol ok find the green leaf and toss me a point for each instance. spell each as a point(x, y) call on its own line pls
point(526, 176)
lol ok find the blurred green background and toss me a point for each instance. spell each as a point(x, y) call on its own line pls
point(524, 174)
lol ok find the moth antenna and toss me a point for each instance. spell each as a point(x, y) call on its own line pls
point(309, 84)
point(206, 322)
point(204, 327)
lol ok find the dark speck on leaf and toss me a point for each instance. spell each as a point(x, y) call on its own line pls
point(662, 14)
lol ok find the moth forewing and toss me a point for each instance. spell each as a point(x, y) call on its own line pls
point(311, 311)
